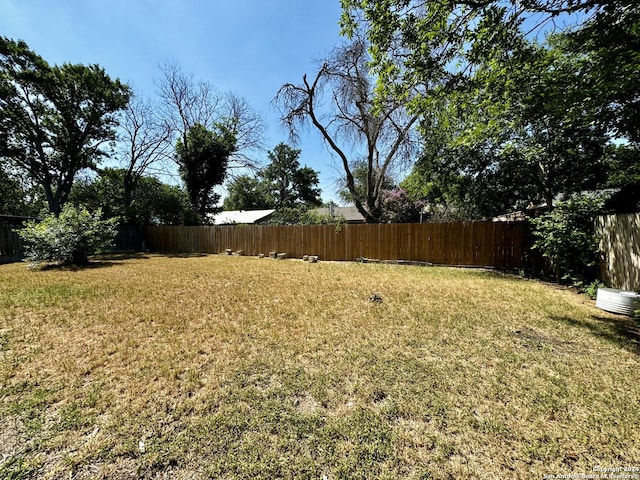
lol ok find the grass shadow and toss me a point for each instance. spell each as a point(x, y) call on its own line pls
point(620, 330)
point(113, 256)
point(76, 267)
point(5, 260)
point(95, 261)
point(182, 255)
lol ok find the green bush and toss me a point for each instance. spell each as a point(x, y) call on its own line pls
point(566, 237)
point(591, 290)
point(69, 238)
point(300, 215)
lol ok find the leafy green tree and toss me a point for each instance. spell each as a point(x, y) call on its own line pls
point(18, 195)
point(55, 119)
point(202, 162)
point(609, 44)
point(514, 136)
point(150, 203)
point(104, 192)
point(163, 204)
point(414, 39)
point(624, 174)
point(553, 130)
point(12, 201)
point(247, 192)
point(287, 183)
point(283, 183)
point(68, 238)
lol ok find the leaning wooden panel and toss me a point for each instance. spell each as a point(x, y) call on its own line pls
point(619, 238)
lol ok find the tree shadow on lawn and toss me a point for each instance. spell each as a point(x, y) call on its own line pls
point(111, 259)
point(76, 267)
point(182, 255)
point(121, 256)
point(95, 261)
point(621, 330)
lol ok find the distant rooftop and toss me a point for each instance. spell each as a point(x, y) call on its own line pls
point(350, 214)
point(233, 217)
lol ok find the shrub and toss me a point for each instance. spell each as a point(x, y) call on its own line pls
point(397, 207)
point(69, 238)
point(300, 215)
point(591, 290)
point(566, 237)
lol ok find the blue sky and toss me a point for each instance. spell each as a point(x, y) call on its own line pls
point(250, 47)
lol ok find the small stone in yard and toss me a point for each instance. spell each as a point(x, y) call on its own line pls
point(228, 251)
point(375, 298)
point(240, 253)
point(313, 258)
point(261, 255)
point(305, 258)
point(273, 254)
point(282, 256)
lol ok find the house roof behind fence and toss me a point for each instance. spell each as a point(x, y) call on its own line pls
point(241, 216)
point(350, 214)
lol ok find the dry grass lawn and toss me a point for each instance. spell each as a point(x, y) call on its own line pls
point(227, 367)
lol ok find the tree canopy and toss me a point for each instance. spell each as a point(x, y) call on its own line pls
point(339, 102)
point(151, 202)
point(202, 162)
point(282, 183)
point(55, 120)
point(505, 119)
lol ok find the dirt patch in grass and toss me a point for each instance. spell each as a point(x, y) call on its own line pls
point(231, 367)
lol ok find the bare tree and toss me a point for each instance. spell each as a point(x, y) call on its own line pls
point(339, 103)
point(187, 103)
point(249, 128)
point(145, 141)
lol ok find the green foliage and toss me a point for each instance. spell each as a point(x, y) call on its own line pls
point(287, 183)
point(507, 121)
point(18, 195)
point(68, 238)
point(55, 119)
point(151, 201)
point(246, 193)
point(566, 237)
point(609, 41)
point(517, 134)
point(202, 157)
point(282, 184)
point(467, 180)
point(624, 161)
point(591, 290)
point(300, 215)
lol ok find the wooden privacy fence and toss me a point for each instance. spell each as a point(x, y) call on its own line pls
point(10, 244)
point(619, 237)
point(129, 238)
point(494, 244)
